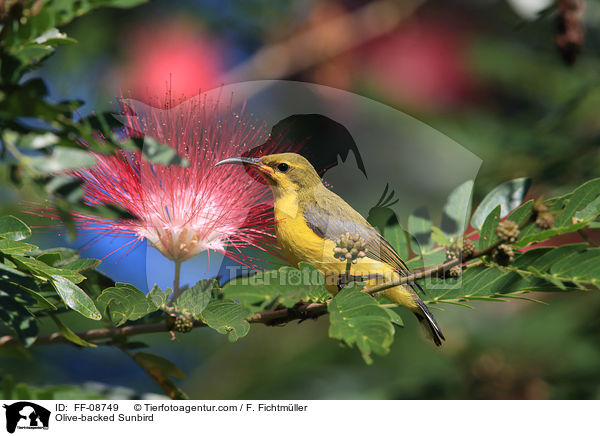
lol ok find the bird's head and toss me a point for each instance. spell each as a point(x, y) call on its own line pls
point(283, 171)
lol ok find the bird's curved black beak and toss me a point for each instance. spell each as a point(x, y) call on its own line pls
point(251, 162)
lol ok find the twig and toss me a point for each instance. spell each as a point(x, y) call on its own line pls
point(429, 272)
point(279, 316)
point(275, 317)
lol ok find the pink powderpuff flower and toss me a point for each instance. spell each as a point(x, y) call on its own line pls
point(182, 211)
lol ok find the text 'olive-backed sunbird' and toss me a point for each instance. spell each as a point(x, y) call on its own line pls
point(309, 219)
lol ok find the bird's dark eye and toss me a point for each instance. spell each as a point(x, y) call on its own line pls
point(283, 167)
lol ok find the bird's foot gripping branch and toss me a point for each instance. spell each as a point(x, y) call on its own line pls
point(500, 259)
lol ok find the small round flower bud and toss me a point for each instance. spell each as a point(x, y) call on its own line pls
point(183, 324)
point(503, 255)
point(468, 248)
point(350, 248)
point(508, 231)
point(544, 220)
point(455, 272)
point(539, 206)
point(453, 251)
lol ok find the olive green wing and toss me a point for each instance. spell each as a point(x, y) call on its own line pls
point(332, 217)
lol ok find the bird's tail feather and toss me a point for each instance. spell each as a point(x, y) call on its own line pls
point(427, 320)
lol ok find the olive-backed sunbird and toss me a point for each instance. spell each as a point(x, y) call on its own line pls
point(309, 219)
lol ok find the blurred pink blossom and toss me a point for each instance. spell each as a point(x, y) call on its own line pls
point(171, 56)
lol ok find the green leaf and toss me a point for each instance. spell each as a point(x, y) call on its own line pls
point(158, 363)
point(67, 189)
point(439, 237)
point(49, 257)
point(42, 301)
point(162, 153)
point(488, 231)
point(158, 297)
point(314, 289)
point(227, 317)
point(195, 299)
point(419, 226)
point(54, 37)
point(591, 211)
point(286, 286)
point(60, 13)
point(126, 303)
point(8, 246)
point(476, 283)
point(15, 283)
point(532, 233)
point(69, 334)
point(63, 159)
point(521, 213)
point(95, 282)
point(543, 258)
point(579, 200)
point(508, 195)
point(34, 141)
point(81, 264)
point(254, 292)
point(160, 369)
point(14, 314)
point(457, 210)
point(394, 316)
point(564, 268)
point(13, 228)
point(56, 256)
point(43, 270)
point(31, 54)
point(357, 319)
point(74, 297)
point(433, 258)
point(305, 284)
point(578, 267)
point(124, 4)
point(396, 236)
